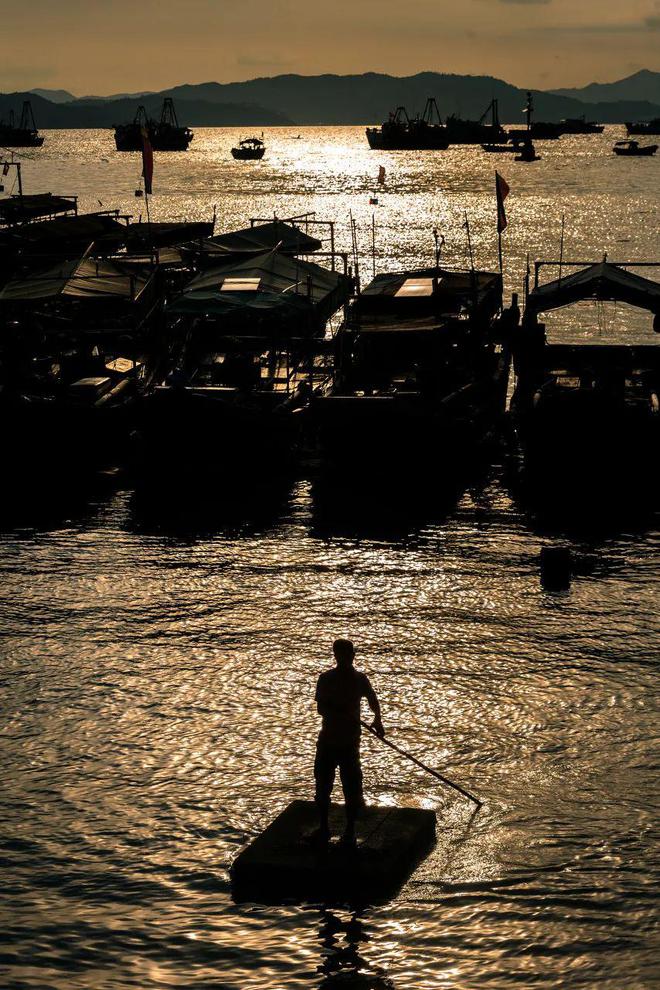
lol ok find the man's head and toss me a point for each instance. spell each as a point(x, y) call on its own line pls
point(344, 653)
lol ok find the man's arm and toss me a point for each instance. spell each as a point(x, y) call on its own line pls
point(372, 701)
point(324, 705)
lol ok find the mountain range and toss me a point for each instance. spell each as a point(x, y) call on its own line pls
point(348, 99)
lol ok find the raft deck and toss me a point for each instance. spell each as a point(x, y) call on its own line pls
point(284, 863)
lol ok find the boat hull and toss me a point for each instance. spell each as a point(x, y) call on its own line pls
point(248, 155)
point(646, 152)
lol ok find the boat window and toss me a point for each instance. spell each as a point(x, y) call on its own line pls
point(416, 287)
point(240, 285)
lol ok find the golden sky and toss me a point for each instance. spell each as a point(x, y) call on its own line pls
point(111, 46)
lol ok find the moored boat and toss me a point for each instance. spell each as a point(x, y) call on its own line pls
point(249, 149)
point(252, 352)
point(21, 135)
point(632, 149)
point(585, 409)
point(81, 344)
point(421, 373)
point(643, 127)
point(580, 125)
point(165, 134)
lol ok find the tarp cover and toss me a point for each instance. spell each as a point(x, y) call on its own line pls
point(164, 233)
point(437, 292)
point(287, 289)
point(604, 281)
point(84, 279)
point(18, 209)
point(262, 237)
point(84, 228)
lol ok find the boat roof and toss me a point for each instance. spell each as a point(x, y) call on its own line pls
point(414, 297)
point(84, 228)
point(605, 281)
point(21, 209)
point(85, 279)
point(257, 239)
point(270, 283)
point(166, 233)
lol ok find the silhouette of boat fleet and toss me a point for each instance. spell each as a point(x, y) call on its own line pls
point(427, 132)
point(400, 132)
point(252, 346)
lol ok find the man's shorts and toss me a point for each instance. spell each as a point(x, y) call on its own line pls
point(329, 756)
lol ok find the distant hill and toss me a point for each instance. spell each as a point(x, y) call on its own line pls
point(55, 95)
point(333, 99)
point(643, 85)
point(82, 113)
point(367, 98)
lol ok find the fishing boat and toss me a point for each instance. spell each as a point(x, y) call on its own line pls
point(81, 344)
point(644, 127)
point(580, 125)
point(165, 134)
point(23, 135)
point(585, 408)
point(460, 131)
point(249, 149)
point(527, 152)
point(424, 132)
point(421, 375)
point(252, 352)
point(632, 149)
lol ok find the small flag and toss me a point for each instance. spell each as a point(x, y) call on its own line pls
point(373, 201)
point(5, 168)
point(501, 192)
point(147, 161)
point(381, 175)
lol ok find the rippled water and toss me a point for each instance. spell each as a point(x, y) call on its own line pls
point(160, 655)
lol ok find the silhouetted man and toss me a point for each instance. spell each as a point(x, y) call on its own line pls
point(338, 695)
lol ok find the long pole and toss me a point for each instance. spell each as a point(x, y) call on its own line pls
point(561, 246)
point(469, 240)
point(413, 759)
point(373, 243)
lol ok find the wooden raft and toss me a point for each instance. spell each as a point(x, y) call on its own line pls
point(284, 863)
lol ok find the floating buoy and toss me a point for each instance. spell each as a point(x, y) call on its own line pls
point(556, 568)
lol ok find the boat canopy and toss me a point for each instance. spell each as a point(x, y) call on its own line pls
point(433, 293)
point(61, 233)
point(255, 240)
point(165, 233)
point(269, 294)
point(20, 209)
point(85, 279)
point(604, 281)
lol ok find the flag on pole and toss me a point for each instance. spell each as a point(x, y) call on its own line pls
point(5, 168)
point(501, 192)
point(147, 161)
point(381, 175)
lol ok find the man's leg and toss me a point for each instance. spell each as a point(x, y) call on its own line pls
point(324, 775)
point(351, 782)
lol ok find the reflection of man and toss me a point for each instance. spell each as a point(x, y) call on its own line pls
point(338, 695)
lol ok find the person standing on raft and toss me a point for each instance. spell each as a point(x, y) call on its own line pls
point(338, 695)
